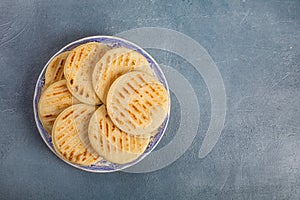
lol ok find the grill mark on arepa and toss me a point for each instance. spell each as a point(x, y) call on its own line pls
point(131, 124)
point(135, 108)
point(71, 155)
point(108, 60)
point(133, 63)
point(101, 141)
point(72, 59)
point(114, 61)
point(124, 67)
point(80, 54)
point(125, 90)
point(54, 62)
point(84, 110)
point(60, 136)
point(78, 157)
point(95, 137)
point(119, 121)
point(149, 86)
point(131, 87)
point(59, 92)
point(141, 78)
point(81, 91)
point(58, 97)
point(62, 62)
point(129, 65)
point(148, 93)
point(117, 100)
point(61, 86)
point(122, 114)
point(71, 112)
point(57, 74)
point(121, 143)
point(126, 62)
point(148, 103)
point(106, 146)
point(101, 66)
point(133, 142)
point(136, 83)
point(104, 76)
point(48, 115)
point(121, 95)
point(106, 129)
point(119, 60)
point(100, 123)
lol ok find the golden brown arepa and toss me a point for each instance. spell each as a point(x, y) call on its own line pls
point(110, 142)
point(55, 69)
point(53, 101)
point(79, 68)
point(70, 135)
point(115, 63)
point(137, 103)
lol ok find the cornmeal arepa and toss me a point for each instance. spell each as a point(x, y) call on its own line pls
point(55, 69)
point(53, 101)
point(78, 71)
point(70, 135)
point(137, 103)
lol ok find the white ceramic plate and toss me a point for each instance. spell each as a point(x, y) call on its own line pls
point(102, 166)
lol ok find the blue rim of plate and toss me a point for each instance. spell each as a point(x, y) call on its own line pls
point(112, 42)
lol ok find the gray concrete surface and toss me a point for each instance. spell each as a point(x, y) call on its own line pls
point(255, 45)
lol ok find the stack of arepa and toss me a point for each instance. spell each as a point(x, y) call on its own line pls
point(101, 103)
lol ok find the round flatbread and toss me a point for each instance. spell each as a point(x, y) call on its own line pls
point(138, 103)
point(79, 68)
point(110, 142)
point(53, 101)
point(55, 69)
point(70, 135)
point(115, 63)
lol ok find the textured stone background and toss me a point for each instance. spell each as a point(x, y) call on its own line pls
point(255, 45)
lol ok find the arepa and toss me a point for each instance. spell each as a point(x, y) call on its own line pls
point(79, 68)
point(53, 101)
point(110, 142)
point(70, 135)
point(101, 127)
point(115, 63)
point(55, 69)
point(138, 103)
